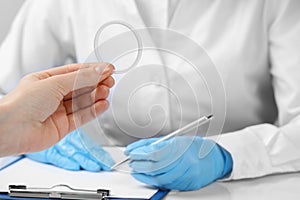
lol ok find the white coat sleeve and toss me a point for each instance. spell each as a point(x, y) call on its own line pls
point(265, 148)
point(39, 38)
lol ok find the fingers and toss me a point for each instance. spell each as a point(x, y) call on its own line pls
point(86, 163)
point(109, 82)
point(57, 71)
point(83, 116)
point(86, 99)
point(92, 156)
point(151, 168)
point(79, 92)
point(70, 68)
point(172, 179)
point(157, 157)
point(157, 152)
point(65, 69)
point(55, 158)
point(85, 77)
point(140, 143)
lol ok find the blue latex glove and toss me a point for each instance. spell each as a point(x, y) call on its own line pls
point(181, 163)
point(74, 152)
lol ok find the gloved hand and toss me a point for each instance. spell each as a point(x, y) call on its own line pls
point(180, 163)
point(74, 152)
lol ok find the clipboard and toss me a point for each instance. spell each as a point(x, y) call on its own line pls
point(7, 161)
point(30, 174)
point(22, 192)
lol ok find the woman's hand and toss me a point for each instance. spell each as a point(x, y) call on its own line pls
point(47, 105)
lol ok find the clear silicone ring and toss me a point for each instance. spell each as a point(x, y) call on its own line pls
point(138, 39)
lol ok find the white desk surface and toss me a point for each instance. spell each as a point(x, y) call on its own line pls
point(275, 187)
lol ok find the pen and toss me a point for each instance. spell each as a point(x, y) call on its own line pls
point(193, 124)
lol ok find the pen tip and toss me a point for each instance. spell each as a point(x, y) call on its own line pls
point(209, 116)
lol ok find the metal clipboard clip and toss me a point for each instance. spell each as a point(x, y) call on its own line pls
point(60, 191)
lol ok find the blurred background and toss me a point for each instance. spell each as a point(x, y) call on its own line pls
point(8, 10)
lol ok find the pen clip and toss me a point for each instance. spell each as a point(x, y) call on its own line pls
point(60, 191)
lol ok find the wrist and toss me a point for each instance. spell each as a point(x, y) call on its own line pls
point(6, 125)
point(4, 115)
point(228, 162)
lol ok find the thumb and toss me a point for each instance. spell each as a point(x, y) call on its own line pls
point(138, 144)
point(83, 77)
